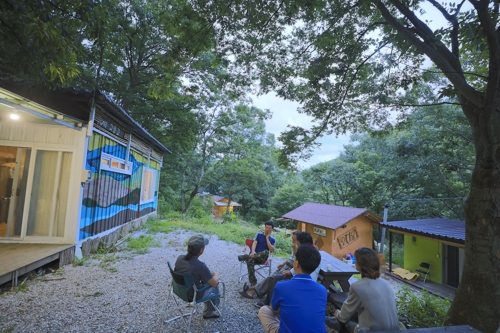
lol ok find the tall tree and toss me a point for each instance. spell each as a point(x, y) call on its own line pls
point(42, 42)
point(244, 165)
point(346, 61)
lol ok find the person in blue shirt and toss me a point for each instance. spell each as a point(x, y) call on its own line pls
point(300, 302)
point(263, 245)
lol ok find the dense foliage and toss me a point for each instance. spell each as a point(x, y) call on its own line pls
point(419, 310)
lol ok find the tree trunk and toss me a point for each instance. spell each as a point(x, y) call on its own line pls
point(477, 301)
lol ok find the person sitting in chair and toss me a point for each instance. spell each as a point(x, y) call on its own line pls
point(263, 245)
point(371, 297)
point(265, 288)
point(190, 263)
point(300, 302)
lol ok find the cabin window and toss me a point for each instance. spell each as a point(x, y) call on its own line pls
point(115, 164)
point(148, 185)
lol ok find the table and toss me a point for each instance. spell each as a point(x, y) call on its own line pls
point(340, 271)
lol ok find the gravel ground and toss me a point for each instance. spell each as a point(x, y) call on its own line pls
point(127, 294)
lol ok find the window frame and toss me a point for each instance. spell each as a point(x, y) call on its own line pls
point(152, 185)
point(124, 167)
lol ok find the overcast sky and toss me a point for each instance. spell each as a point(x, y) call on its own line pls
point(285, 113)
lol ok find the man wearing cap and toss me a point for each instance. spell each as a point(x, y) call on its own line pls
point(190, 263)
point(263, 244)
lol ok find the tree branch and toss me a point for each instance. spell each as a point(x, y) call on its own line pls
point(449, 71)
point(488, 27)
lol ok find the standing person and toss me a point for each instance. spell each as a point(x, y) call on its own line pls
point(371, 297)
point(190, 263)
point(300, 302)
point(263, 245)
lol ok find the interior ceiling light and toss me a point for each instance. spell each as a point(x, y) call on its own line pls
point(14, 116)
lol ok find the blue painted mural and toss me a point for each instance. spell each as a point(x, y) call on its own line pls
point(112, 198)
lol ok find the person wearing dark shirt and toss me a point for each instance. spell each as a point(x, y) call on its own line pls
point(263, 245)
point(300, 302)
point(190, 263)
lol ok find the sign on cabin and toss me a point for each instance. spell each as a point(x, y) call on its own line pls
point(319, 231)
point(349, 237)
point(111, 127)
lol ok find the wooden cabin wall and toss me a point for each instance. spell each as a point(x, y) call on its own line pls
point(51, 138)
point(358, 233)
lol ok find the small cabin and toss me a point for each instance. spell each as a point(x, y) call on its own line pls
point(337, 230)
point(439, 242)
point(73, 165)
point(220, 206)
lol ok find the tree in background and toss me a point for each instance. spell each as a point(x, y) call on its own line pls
point(373, 169)
point(244, 168)
point(291, 195)
point(347, 63)
point(41, 43)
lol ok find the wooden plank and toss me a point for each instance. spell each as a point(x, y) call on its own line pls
point(40, 134)
point(53, 134)
point(450, 329)
point(14, 256)
point(29, 133)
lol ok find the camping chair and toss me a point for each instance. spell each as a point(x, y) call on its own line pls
point(424, 270)
point(264, 267)
point(181, 284)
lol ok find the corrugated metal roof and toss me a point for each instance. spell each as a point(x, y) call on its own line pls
point(439, 228)
point(77, 103)
point(217, 198)
point(223, 204)
point(328, 216)
point(217, 201)
point(119, 115)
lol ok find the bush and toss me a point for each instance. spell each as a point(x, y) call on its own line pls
point(417, 310)
point(398, 252)
point(199, 208)
point(231, 218)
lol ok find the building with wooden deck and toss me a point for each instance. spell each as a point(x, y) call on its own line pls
point(439, 242)
point(73, 166)
point(337, 230)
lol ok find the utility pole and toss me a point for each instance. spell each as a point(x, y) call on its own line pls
point(382, 239)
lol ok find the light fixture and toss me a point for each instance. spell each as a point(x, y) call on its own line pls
point(14, 116)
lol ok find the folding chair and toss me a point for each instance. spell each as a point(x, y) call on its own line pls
point(264, 267)
point(424, 270)
point(180, 286)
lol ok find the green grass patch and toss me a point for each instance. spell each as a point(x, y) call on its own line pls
point(141, 244)
point(78, 262)
point(106, 266)
point(234, 231)
point(22, 287)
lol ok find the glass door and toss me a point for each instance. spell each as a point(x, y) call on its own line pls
point(49, 194)
point(14, 166)
point(37, 209)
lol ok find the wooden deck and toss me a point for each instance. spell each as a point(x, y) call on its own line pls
point(18, 259)
point(432, 287)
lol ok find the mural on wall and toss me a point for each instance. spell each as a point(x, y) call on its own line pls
point(112, 198)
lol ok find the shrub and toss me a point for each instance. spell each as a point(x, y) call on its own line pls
point(397, 253)
point(417, 310)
